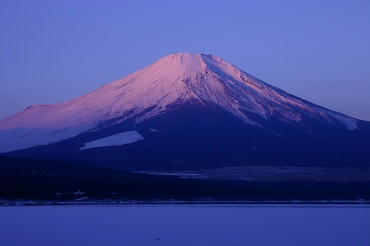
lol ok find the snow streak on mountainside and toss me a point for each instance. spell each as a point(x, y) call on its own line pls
point(114, 140)
point(174, 79)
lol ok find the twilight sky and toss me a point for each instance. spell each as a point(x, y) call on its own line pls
point(54, 51)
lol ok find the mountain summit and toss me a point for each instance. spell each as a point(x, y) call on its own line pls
point(202, 90)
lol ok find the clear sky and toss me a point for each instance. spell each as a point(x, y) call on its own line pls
point(54, 51)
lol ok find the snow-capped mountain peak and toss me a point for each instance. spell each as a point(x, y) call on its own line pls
point(174, 79)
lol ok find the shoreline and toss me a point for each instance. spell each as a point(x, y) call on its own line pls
point(113, 203)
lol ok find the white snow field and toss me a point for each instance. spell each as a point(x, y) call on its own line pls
point(114, 140)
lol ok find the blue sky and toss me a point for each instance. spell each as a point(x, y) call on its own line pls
point(54, 51)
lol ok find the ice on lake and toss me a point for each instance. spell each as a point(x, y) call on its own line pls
point(185, 225)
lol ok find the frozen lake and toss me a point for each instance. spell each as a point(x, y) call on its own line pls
point(185, 225)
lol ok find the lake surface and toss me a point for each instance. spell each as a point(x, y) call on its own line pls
point(339, 225)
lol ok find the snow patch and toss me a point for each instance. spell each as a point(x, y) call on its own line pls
point(153, 130)
point(114, 140)
point(350, 123)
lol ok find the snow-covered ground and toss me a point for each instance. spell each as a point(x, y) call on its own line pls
point(114, 140)
point(274, 173)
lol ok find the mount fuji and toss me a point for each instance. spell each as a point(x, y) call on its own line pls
point(187, 111)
